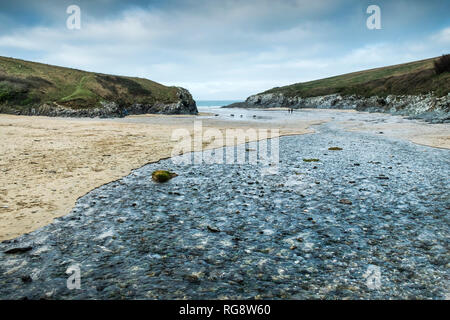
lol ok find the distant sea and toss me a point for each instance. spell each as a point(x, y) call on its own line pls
point(215, 103)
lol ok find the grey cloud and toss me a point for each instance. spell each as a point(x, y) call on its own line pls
point(224, 49)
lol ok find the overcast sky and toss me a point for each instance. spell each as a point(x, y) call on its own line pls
point(225, 49)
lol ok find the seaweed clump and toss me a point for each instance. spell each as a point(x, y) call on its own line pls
point(311, 160)
point(162, 175)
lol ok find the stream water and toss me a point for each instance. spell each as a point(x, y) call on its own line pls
point(370, 221)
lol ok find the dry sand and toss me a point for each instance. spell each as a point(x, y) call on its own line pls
point(47, 163)
point(432, 135)
point(416, 131)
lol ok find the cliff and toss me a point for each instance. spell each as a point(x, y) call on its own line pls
point(413, 89)
point(30, 88)
point(428, 107)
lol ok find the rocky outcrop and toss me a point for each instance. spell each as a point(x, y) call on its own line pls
point(185, 105)
point(110, 109)
point(427, 107)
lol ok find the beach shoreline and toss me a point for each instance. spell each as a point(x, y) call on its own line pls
point(48, 163)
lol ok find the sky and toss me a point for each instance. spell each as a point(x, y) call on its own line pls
point(224, 49)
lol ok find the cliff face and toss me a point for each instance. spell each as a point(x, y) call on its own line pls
point(29, 88)
point(428, 106)
point(412, 89)
point(185, 105)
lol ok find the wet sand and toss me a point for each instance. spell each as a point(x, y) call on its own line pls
point(295, 231)
point(399, 127)
point(48, 163)
point(432, 135)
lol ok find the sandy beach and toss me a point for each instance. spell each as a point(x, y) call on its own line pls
point(433, 135)
point(416, 131)
point(48, 163)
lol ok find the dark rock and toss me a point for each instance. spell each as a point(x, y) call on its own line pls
point(18, 250)
point(213, 229)
point(193, 278)
point(345, 201)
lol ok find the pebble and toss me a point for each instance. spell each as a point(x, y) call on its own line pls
point(18, 250)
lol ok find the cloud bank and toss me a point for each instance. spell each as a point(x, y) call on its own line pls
point(225, 49)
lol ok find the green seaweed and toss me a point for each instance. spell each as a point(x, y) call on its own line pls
point(162, 175)
point(311, 160)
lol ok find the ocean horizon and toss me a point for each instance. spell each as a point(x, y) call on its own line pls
point(215, 103)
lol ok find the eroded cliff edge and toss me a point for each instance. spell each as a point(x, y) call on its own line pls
point(418, 89)
point(30, 88)
point(107, 109)
point(427, 106)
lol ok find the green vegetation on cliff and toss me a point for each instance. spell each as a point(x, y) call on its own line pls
point(25, 84)
point(419, 77)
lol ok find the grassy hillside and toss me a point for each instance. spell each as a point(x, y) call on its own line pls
point(412, 78)
point(25, 84)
